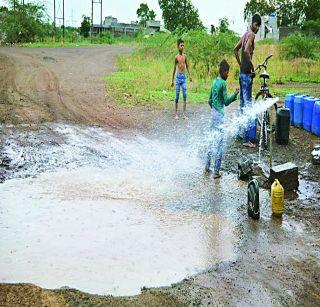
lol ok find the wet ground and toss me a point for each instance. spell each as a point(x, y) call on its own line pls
point(119, 211)
point(112, 212)
point(131, 206)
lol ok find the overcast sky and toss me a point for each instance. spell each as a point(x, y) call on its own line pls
point(210, 11)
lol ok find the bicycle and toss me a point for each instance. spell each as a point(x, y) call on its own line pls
point(264, 119)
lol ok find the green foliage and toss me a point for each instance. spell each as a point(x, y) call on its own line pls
point(25, 23)
point(206, 51)
point(180, 14)
point(145, 14)
point(289, 13)
point(224, 25)
point(85, 26)
point(263, 7)
point(312, 27)
point(104, 38)
point(300, 46)
point(311, 9)
point(144, 76)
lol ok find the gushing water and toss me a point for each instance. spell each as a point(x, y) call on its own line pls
point(237, 123)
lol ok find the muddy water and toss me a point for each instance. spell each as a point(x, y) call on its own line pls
point(108, 214)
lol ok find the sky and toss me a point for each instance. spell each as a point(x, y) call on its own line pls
point(210, 11)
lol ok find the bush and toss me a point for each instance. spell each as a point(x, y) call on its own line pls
point(312, 27)
point(299, 45)
point(207, 51)
point(104, 38)
point(204, 51)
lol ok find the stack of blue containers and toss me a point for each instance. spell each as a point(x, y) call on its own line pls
point(304, 112)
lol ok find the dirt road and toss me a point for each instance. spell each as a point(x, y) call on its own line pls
point(277, 262)
point(54, 84)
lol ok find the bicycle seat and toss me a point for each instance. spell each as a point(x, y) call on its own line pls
point(264, 75)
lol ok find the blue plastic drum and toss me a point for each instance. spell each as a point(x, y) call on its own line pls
point(298, 111)
point(308, 112)
point(289, 104)
point(316, 118)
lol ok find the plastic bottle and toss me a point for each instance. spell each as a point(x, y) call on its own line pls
point(277, 199)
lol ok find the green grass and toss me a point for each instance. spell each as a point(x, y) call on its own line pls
point(80, 41)
point(144, 76)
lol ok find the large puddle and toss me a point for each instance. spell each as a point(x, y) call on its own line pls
point(106, 214)
point(110, 214)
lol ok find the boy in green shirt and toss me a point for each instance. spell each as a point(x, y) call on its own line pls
point(218, 100)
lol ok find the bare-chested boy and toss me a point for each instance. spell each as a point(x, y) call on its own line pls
point(183, 65)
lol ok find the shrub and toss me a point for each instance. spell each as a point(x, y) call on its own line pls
point(312, 27)
point(299, 45)
point(104, 38)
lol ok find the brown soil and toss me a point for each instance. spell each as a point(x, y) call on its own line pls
point(54, 84)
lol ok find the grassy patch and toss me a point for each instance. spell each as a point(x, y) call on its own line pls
point(80, 41)
point(144, 76)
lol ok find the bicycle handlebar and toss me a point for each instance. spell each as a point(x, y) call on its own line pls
point(265, 63)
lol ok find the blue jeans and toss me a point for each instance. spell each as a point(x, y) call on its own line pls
point(217, 121)
point(245, 101)
point(181, 82)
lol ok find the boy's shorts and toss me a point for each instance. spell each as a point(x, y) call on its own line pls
point(181, 82)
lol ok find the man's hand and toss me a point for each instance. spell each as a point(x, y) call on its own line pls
point(172, 84)
point(190, 79)
point(237, 91)
point(253, 74)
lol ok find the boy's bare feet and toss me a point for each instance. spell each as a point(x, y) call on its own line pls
point(185, 116)
point(176, 117)
point(249, 144)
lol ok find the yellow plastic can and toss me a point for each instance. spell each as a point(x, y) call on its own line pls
point(277, 198)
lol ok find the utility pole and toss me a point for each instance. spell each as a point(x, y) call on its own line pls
point(63, 21)
point(54, 15)
point(92, 4)
point(58, 15)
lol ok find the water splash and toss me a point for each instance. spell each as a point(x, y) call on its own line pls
point(232, 126)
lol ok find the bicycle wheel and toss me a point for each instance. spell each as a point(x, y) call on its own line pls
point(264, 126)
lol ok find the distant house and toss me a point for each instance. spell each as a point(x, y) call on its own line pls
point(269, 27)
point(119, 28)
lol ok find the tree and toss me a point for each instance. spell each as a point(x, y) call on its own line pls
point(180, 14)
point(224, 25)
point(25, 23)
point(145, 14)
point(85, 26)
point(263, 7)
point(311, 9)
point(152, 15)
point(289, 13)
